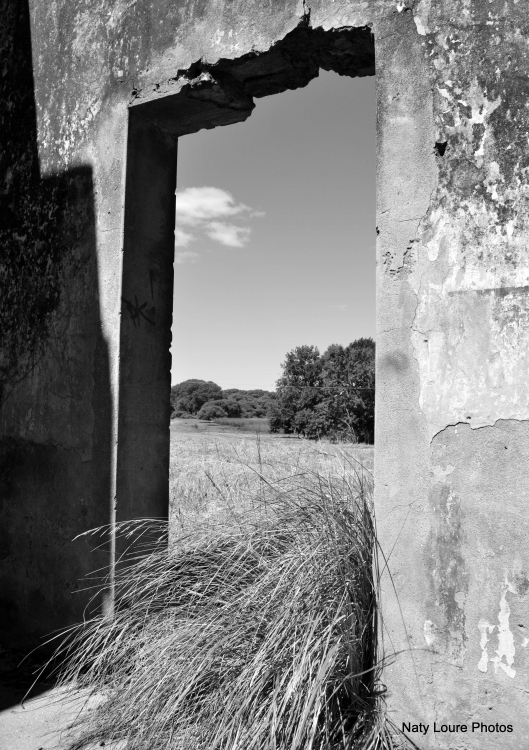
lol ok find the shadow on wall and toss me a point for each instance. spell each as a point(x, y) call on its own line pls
point(55, 403)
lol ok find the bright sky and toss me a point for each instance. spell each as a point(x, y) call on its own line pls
point(275, 234)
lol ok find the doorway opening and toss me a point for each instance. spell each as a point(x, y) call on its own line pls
point(202, 97)
point(238, 507)
point(275, 251)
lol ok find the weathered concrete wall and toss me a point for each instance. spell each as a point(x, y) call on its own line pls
point(55, 391)
point(147, 296)
point(85, 378)
point(115, 84)
point(452, 394)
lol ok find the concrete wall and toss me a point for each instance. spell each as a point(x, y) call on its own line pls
point(109, 87)
point(452, 389)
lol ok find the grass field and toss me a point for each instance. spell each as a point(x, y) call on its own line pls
point(257, 629)
point(225, 425)
point(246, 424)
point(213, 468)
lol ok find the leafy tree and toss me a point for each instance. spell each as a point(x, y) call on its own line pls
point(211, 411)
point(349, 389)
point(230, 407)
point(247, 407)
point(298, 390)
point(182, 407)
point(233, 408)
point(191, 395)
point(254, 403)
point(332, 394)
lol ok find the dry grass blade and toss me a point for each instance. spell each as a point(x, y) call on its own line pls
point(255, 627)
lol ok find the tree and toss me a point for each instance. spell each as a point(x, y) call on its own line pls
point(298, 390)
point(211, 411)
point(254, 403)
point(230, 407)
point(189, 397)
point(233, 408)
point(332, 394)
point(349, 388)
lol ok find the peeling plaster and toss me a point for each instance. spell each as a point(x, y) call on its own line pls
point(429, 629)
point(461, 278)
point(441, 474)
point(505, 652)
point(421, 13)
point(485, 628)
point(470, 271)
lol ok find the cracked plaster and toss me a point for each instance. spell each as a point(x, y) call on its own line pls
point(468, 261)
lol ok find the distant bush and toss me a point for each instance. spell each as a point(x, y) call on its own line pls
point(232, 407)
point(189, 397)
point(254, 403)
point(211, 411)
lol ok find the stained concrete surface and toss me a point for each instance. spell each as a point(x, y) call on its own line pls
point(32, 716)
point(35, 714)
point(42, 721)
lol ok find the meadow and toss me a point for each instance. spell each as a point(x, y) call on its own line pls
point(258, 629)
point(221, 454)
point(227, 426)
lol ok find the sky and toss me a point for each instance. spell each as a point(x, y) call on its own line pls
point(275, 234)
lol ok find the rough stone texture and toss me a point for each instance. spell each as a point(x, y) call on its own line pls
point(94, 105)
point(452, 391)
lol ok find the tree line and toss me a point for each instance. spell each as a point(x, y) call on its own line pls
point(318, 395)
point(203, 399)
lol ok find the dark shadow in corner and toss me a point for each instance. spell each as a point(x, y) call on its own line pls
point(50, 338)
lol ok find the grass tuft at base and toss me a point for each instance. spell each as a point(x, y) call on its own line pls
point(253, 628)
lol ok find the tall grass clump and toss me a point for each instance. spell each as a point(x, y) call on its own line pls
point(251, 628)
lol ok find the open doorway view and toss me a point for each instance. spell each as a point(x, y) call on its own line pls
point(253, 623)
point(275, 264)
point(273, 340)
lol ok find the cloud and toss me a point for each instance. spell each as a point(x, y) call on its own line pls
point(205, 210)
point(186, 256)
point(194, 205)
point(340, 307)
point(228, 234)
point(182, 238)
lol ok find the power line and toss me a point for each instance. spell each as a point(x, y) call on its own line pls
point(329, 387)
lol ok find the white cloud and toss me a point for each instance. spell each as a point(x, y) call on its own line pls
point(186, 256)
point(182, 238)
point(228, 234)
point(195, 205)
point(205, 210)
point(340, 307)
